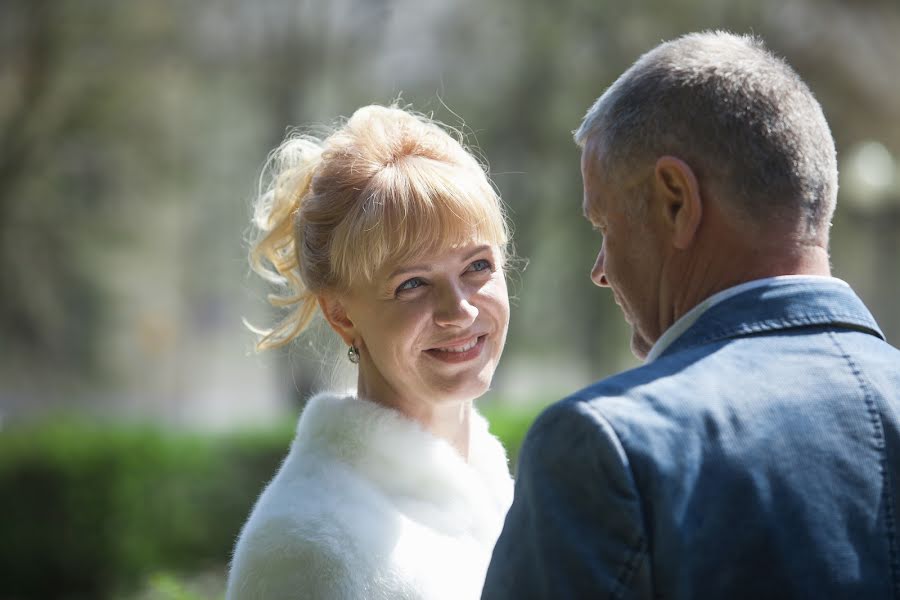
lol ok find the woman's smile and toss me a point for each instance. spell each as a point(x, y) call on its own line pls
point(460, 351)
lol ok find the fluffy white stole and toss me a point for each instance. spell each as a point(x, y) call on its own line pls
point(369, 505)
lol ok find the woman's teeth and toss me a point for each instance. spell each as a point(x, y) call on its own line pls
point(466, 348)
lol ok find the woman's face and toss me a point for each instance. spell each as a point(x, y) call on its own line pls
point(431, 330)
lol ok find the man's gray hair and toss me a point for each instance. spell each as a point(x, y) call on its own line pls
point(738, 115)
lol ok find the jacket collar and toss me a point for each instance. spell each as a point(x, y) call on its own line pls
point(779, 305)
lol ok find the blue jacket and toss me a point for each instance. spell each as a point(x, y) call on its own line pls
point(757, 457)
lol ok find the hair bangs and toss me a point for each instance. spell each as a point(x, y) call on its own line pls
point(415, 208)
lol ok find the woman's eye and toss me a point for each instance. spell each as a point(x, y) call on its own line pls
point(480, 265)
point(410, 284)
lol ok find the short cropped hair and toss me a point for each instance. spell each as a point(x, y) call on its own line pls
point(386, 187)
point(738, 115)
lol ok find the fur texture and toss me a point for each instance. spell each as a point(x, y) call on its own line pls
point(368, 504)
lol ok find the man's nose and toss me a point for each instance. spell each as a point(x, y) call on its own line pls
point(598, 273)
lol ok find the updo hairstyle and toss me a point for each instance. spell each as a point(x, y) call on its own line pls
point(387, 187)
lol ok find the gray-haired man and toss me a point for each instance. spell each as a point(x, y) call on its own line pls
point(756, 454)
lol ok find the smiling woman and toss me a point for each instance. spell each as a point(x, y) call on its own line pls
point(429, 335)
point(392, 229)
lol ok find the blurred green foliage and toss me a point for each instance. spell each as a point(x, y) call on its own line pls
point(510, 423)
point(91, 510)
point(164, 586)
point(94, 511)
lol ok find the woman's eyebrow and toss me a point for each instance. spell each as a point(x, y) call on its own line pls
point(426, 268)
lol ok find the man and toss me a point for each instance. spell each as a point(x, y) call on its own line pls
point(756, 454)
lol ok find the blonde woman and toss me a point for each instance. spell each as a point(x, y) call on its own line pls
point(390, 229)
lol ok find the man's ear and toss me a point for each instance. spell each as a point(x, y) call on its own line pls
point(336, 315)
point(677, 186)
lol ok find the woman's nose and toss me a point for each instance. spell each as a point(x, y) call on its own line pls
point(455, 309)
point(598, 273)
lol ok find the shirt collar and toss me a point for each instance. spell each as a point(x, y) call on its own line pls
point(689, 318)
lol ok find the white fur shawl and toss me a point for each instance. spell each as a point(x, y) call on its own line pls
point(368, 505)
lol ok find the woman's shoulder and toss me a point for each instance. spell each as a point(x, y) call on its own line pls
point(309, 528)
point(293, 505)
point(313, 538)
point(299, 538)
point(309, 498)
point(277, 557)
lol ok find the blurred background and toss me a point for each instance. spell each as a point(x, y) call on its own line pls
point(137, 424)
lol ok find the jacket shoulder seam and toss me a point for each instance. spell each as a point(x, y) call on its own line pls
point(639, 548)
point(881, 446)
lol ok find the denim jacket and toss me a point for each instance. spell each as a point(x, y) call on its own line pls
point(757, 457)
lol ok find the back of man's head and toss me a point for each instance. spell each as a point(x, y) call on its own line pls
point(742, 119)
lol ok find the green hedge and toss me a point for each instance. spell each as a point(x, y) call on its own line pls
point(93, 511)
point(88, 512)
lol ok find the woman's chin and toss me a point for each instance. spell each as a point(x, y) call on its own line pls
point(465, 388)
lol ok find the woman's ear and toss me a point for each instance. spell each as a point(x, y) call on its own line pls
point(336, 315)
point(679, 190)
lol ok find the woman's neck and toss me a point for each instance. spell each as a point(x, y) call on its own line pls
point(449, 421)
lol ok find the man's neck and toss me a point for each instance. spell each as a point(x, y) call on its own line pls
point(720, 271)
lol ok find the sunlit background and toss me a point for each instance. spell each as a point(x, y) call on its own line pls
point(137, 424)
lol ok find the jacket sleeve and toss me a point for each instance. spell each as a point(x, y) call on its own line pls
point(575, 528)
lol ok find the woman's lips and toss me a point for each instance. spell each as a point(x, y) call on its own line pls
point(459, 352)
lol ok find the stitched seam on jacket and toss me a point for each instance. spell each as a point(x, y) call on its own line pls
point(629, 568)
point(881, 446)
point(630, 564)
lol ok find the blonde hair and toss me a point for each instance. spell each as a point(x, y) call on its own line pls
point(387, 187)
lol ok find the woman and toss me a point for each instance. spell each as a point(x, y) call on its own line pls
point(392, 230)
